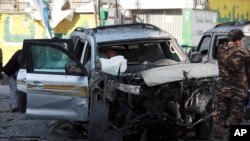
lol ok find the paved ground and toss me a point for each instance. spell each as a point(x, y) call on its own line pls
point(14, 126)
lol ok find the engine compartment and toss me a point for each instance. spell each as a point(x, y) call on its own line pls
point(160, 111)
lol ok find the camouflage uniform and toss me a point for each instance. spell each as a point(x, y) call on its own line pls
point(233, 71)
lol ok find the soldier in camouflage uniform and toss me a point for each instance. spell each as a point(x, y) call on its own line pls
point(234, 61)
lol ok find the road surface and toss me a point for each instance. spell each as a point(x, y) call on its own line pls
point(15, 127)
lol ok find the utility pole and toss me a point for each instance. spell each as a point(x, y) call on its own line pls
point(97, 8)
point(117, 14)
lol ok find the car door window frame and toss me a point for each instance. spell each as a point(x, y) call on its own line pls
point(28, 56)
point(85, 53)
point(206, 56)
point(215, 45)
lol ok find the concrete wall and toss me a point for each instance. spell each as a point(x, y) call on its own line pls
point(14, 28)
point(195, 23)
point(166, 19)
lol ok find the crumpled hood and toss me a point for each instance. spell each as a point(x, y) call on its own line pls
point(157, 76)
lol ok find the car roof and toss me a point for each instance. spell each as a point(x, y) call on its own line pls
point(116, 33)
point(226, 27)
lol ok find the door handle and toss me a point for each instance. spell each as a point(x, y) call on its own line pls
point(35, 84)
point(22, 80)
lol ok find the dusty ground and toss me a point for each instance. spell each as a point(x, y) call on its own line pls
point(15, 127)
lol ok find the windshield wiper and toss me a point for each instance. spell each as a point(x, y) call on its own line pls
point(134, 63)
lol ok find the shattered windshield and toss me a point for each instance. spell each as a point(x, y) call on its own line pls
point(160, 52)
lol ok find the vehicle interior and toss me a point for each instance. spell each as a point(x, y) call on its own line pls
point(145, 55)
point(216, 36)
point(220, 41)
point(144, 52)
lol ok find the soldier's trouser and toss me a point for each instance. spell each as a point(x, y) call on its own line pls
point(228, 107)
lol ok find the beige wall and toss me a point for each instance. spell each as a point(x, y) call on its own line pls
point(14, 28)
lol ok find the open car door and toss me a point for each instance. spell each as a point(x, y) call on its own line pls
point(56, 83)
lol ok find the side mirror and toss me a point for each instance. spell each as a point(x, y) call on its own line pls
point(73, 68)
point(195, 57)
point(188, 49)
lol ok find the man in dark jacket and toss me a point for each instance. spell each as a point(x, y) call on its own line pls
point(1, 62)
point(10, 71)
point(234, 64)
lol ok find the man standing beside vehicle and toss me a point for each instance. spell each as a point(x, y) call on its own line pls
point(234, 62)
point(1, 62)
point(10, 72)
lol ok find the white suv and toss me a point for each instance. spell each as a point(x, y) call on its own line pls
point(160, 95)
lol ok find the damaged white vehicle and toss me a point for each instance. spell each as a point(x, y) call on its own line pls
point(157, 95)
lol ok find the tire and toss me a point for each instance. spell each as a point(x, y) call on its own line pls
point(98, 129)
point(112, 135)
point(22, 101)
point(204, 128)
point(98, 120)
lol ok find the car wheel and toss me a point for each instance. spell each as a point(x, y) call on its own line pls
point(98, 120)
point(204, 128)
point(22, 101)
point(113, 135)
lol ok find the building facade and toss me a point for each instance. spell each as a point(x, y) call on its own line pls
point(16, 24)
point(231, 10)
point(178, 17)
point(186, 20)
